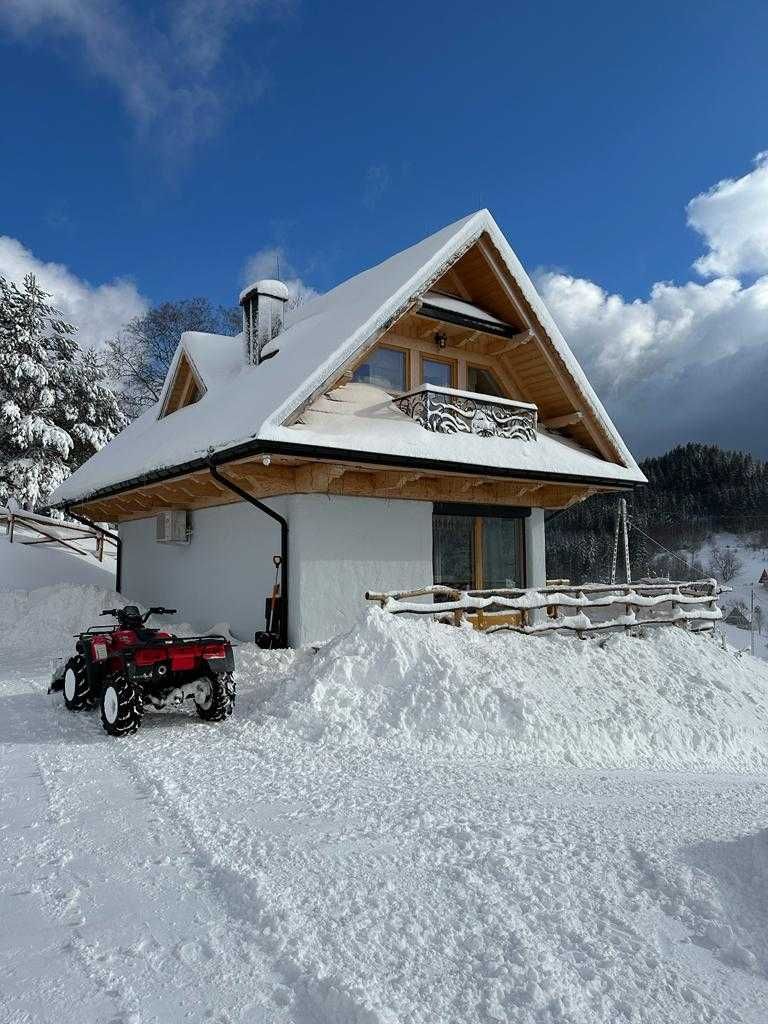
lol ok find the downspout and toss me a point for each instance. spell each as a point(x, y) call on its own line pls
point(105, 533)
point(231, 486)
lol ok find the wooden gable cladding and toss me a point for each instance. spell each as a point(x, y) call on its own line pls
point(186, 389)
point(285, 475)
point(527, 366)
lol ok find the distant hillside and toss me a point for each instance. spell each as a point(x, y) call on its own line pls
point(694, 491)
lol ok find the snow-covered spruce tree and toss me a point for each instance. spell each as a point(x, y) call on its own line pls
point(55, 409)
point(86, 407)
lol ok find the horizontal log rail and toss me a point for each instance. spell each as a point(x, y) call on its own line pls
point(54, 531)
point(692, 605)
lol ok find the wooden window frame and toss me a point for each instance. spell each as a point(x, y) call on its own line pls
point(439, 358)
point(478, 513)
point(407, 360)
point(487, 369)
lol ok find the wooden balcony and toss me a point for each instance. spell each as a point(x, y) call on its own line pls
point(447, 411)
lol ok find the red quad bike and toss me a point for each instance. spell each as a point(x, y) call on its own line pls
point(127, 667)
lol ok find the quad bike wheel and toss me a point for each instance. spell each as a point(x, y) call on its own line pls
point(77, 689)
point(220, 700)
point(122, 705)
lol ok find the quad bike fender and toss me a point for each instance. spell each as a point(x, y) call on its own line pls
point(57, 679)
point(217, 666)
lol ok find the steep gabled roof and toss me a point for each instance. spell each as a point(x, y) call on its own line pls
point(244, 403)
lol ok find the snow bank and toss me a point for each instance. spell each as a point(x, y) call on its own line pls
point(24, 566)
point(666, 700)
point(41, 623)
point(44, 620)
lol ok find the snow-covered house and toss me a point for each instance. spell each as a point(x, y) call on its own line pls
point(413, 424)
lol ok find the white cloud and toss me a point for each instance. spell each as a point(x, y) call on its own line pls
point(98, 311)
point(272, 262)
point(733, 219)
point(166, 66)
point(690, 361)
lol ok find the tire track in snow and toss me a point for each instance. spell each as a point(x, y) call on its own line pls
point(143, 927)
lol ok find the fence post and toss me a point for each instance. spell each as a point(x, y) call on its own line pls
point(11, 520)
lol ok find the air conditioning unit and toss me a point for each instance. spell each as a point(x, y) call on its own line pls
point(172, 527)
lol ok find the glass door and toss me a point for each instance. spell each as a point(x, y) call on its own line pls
point(477, 552)
point(502, 553)
point(452, 551)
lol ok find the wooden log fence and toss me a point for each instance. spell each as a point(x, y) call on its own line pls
point(582, 610)
point(53, 531)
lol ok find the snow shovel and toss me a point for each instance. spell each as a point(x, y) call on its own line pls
point(270, 638)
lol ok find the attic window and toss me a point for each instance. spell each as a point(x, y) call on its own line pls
point(186, 388)
point(384, 368)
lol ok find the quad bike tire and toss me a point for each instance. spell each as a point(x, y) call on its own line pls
point(77, 689)
point(221, 700)
point(122, 705)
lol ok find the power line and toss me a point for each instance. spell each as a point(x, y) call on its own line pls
point(658, 544)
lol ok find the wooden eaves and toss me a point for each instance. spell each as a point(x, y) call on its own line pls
point(306, 469)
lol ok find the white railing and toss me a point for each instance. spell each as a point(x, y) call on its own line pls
point(585, 609)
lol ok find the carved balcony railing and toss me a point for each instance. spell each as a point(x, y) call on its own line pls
point(461, 412)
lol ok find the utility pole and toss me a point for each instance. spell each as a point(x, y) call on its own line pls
point(752, 620)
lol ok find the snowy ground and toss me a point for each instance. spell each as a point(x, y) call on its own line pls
point(416, 824)
point(26, 563)
point(753, 561)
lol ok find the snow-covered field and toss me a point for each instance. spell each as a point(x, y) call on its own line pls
point(753, 561)
point(415, 824)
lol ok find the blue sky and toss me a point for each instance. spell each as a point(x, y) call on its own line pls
point(170, 144)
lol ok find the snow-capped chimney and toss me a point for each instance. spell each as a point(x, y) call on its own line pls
point(263, 310)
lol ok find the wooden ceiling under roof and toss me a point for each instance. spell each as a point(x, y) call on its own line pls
point(286, 475)
point(541, 377)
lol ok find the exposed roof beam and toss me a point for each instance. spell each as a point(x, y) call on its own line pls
point(569, 420)
point(472, 323)
point(518, 339)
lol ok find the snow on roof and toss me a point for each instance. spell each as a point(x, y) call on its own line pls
point(244, 403)
point(363, 417)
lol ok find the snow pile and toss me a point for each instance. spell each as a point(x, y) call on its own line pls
point(668, 699)
point(24, 566)
point(44, 620)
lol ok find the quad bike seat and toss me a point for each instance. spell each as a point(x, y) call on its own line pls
point(145, 635)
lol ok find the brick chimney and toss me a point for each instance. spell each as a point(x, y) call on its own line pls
point(263, 310)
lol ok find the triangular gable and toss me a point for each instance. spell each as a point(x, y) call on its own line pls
point(183, 385)
point(378, 297)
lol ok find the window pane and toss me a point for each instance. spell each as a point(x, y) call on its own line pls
point(452, 551)
point(482, 382)
point(385, 369)
point(502, 553)
point(436, 373)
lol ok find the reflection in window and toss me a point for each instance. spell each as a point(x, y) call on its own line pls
point(483, 552)
point(502, 553)
point(384, 368)
point(452, 553)
point(483, 382)
point(436, 372)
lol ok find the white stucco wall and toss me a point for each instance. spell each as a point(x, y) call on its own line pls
point(222, 575)
point(340, 547)
point(535, 549)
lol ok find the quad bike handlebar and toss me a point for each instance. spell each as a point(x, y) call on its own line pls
point(131, 612)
